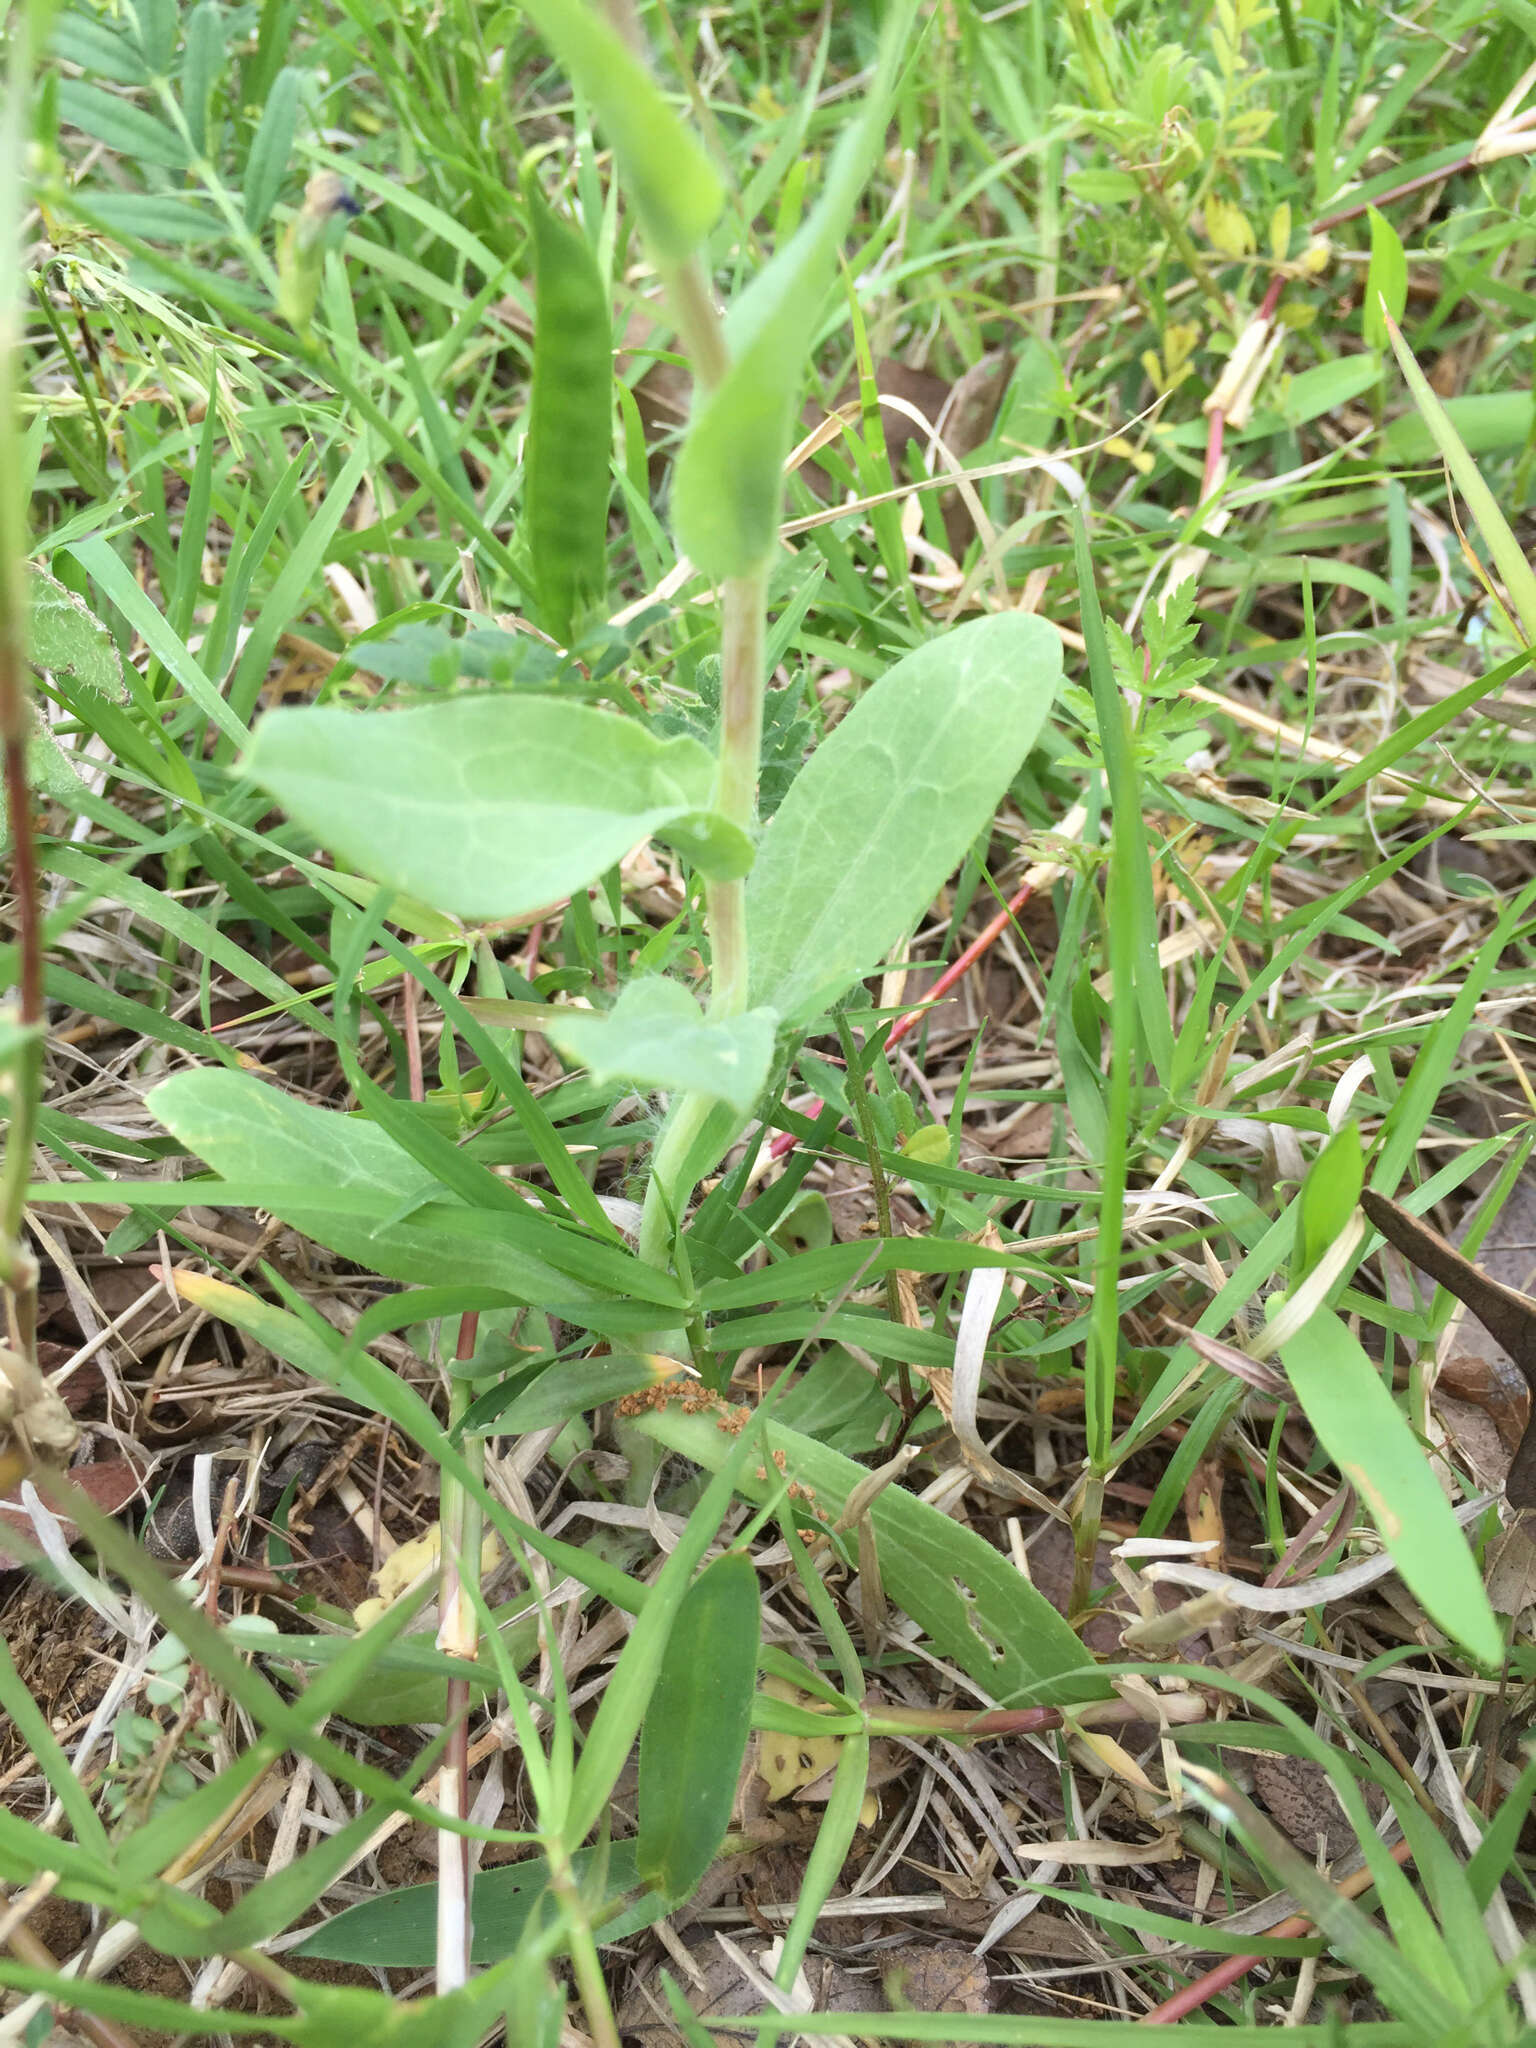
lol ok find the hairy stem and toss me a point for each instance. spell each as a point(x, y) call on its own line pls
point(744, 601)
point(675, 1167)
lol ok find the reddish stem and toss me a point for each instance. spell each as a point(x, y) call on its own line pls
point(1189, 1997)
point(414, 1075)
point(1213, 441)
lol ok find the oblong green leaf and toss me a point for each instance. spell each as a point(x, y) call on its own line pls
point(173, 217)
point(567, 468)
point(975, 1606)
point(695, 1731)
point(201, 67)
point(1328, 1198)
point(1310, 393)
point(155, 23)
point(1485, 422)
point(97, 49)
point(625, 1699)
point(561, 1391)
point(665, 172)
point(1367, 1436)
point(885, 808)
point(492, 806)
point(656, 1035)
point(400, 1928)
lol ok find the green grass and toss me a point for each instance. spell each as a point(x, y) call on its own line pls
point(282, 453)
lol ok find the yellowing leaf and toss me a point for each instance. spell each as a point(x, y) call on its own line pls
point(1180, 340)
point(785, 1763)
point(1227, 229)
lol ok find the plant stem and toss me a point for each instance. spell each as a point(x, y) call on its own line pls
point(1085, 1542)
point(685, 1119)
point(672, 1181)
point(18, 1268)
point(744, 601)
point(697, 322)
point(458, 1626)
point(586, 1964)
point(458, 1635)
point(743, 609)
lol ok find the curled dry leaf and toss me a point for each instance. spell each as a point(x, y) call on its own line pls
point(1508, 1315)
point(1512, 1569)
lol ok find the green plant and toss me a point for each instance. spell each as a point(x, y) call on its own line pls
point(338, 378)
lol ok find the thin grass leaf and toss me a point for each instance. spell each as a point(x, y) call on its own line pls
point(1366, 1435)
point(32, 1726)
point(1508, 555)
point(99, 561)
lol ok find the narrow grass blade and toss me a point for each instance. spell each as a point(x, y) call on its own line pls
point(1508, 555)
point(1365, 1433)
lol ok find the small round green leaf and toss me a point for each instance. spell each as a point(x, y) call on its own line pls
point(656, 1035)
